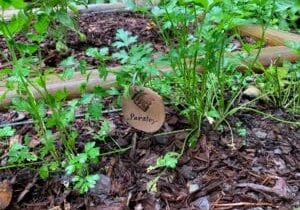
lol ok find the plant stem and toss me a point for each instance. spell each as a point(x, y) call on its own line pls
point(22, 165)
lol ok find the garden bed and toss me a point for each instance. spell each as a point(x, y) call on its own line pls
point(261, 171)
point(211, 174)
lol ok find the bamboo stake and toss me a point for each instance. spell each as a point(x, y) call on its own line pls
point(273, 37)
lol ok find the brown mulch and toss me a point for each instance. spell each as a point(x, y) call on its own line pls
point(263, 170)
point(100, 30)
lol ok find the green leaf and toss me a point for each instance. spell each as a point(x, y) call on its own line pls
point(104, 131)
point(69, 65)
point(86, 98)
point(83, 184)
point(152, 185)
point(91, 151)
point(68, 73)
point(42, 23)
point(19, 153)
point(20, 104)
point(53, 166)
point(69, 62)
point(27, 48)
point(169, 160)
point(92, 52)
point(60, 95)
point(97, 53)
point(92, 179)
point(82, 158)
point(124, 39)
point(60, 46)
point(94, 110)
point(7, 132)
point(65, 19)
point(15, 25)
point(156, 11)
point(122, 56)
point(203, 3)
point(82, 66)
point(18, 4)
point(44, 172)
point(70, 169)
point(213, 113)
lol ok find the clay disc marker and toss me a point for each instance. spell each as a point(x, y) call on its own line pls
point(145, 110)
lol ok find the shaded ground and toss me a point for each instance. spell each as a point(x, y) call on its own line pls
point(100, 30)
point(262, 172)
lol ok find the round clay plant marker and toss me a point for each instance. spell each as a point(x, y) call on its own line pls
point(144, 110)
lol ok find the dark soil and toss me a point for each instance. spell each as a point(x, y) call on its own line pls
point(100, 30)
point(261, 172)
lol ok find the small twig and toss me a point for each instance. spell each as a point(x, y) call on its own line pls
point(280, 188)
point(27, 188)
point(116, 151)
point(133, 147)
point(4, 156)
point(5, 65)
point(26, 122)
point(167, 133)
point(240, 204)
point(232, 145)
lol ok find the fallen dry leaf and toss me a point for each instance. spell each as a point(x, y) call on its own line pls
point(15, 139)
point(34, 142)
point(280, 188)
point(5, 194)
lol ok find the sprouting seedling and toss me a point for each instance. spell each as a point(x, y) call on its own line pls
point(124, 39)
point(169, 160)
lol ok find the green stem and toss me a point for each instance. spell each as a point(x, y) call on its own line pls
point(116, 151)
point(272, 117)
point(22, 165)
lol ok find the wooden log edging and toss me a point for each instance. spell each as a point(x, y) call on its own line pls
point(55, 84)
point(276, 55)
point(109, 7)
point(272, 37)
point(267, 57)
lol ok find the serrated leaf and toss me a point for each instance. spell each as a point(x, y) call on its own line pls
point(104, 130)
point(7, 131)
point(65, 19)
point(44, 172)
point(95, 110)
point(27, 48)
point(124, 39)
point(42, 23)
point(92, 52)
point(169, 160)
point(122, 56)
point(68, 73)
